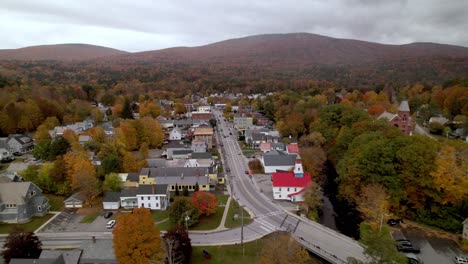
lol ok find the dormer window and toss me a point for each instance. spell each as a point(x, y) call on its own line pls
point(33, 193)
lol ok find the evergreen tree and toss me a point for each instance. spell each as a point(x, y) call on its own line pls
point(185, 191)
point(126, 110)
point(197, 187)
point(177, 190)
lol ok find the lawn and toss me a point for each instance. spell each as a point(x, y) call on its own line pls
point(89, 218)
point(233, 209)
point(56, 202)
point(31, 226)
point(160, 215)
point(229, 254)
point(212, 222)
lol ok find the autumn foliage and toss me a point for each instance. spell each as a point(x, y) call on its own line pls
point(206, 202)
point(136, 238)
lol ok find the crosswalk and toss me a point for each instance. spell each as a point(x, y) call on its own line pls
point(265, 225)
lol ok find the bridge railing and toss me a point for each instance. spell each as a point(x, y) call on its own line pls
point(319, 251)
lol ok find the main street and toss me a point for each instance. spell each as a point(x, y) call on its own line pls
point(268, 216)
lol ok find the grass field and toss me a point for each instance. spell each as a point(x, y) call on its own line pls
point(90, 217)
point(31, 226)
point(56, 202)
point(212, 222)
point(205, 222)
point(233, 209)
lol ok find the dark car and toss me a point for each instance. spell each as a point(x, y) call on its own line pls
point(392, 222)
point(246, 172)
point(108, 215)
point(408, 249)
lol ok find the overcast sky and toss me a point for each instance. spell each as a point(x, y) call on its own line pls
point(139, 25)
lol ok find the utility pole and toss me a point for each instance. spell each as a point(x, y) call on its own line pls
point(242, 231)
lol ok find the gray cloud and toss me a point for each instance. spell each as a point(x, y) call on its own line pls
point(146, 25)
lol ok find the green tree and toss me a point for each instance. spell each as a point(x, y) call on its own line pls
point(180, 209)
point(112, 183)
point(177, 190)
point(110, 163)
point(185, 191)
point(127, 112)
point(379, 247)
point(42, 150)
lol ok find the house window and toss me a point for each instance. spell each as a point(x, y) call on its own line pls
point(180, 187)
point(204, 186)
point(33, 193)
point(149, 205)
point(157, 205)
point(39, 208)
point(280, 189)
point(172, 187)
point(280, 196)
point(288, 189)
point(148, 198)
point(141, 198)
point(295, 189)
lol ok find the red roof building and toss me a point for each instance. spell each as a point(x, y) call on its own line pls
point(291, 185)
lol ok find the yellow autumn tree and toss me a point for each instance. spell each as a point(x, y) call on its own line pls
point(281, 248)
point(451, 175)
point(373, 204)
point(136, 238)
point(42, 133)
point(149, 108)
point(81, 174)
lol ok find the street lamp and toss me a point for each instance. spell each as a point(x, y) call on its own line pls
point(236, 216)
point(187, 218)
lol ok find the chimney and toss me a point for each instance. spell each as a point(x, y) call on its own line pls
point(182, 175)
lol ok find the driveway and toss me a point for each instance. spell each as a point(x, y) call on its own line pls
point(69, 221)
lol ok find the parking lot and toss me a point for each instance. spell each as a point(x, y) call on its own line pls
point(69, 221)
point(434, 249)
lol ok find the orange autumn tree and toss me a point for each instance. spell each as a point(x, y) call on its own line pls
point(136, 238)
point(81, 174)
point(206, 202)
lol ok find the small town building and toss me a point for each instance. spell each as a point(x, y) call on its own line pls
point(402, 119)
point(291, 185)
point(204, 134)
point(20, 201)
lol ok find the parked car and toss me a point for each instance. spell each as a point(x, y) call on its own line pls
point(246, 172)
point(413, 259)
point(404, 242)
point(407, 249)
point(108, 215)
point(392, 222)
point(110, 224)
point(461, 260)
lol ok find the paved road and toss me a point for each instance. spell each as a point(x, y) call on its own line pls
point(268, 216)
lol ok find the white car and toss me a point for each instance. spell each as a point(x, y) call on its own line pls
point(110, 224)
point(461, 260)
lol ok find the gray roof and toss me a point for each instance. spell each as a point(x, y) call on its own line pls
point(133, 176)
point(404, 106)
point(179, 175)
point(279, 160)
point(53, 257)
point(129, 192)
point(387, 115)
point(181, 152)
point(202, 155)
point(76, 196)
point(175, 171)
point(152, 189)
point(111, 196)
point(156, 163)
point(12, 192)
point(438, 119)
